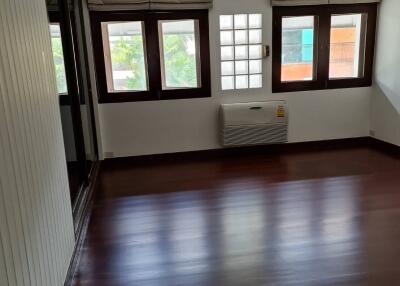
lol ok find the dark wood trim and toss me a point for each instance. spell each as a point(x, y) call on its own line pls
point(322, 15)
point(82, 223)
point(201, 155)
point(72, 74)
point(150, 19)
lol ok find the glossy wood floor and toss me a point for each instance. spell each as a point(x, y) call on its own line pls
point(301, 218)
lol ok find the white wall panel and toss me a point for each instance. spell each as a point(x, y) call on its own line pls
point(385, 102)
point(36, 229)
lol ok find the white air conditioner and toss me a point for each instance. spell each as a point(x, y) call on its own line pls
point(254, 123)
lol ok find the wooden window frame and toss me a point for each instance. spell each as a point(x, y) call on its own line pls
point(322, 27)
point(151, 36)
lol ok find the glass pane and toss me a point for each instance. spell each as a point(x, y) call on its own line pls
point(226, 38)
point(227, 53)
point(255, 81)
point(241, 53)
point(124, 56)
point(227, 82)
point(255, 66)
point(241, 37)
point(242, 81)
point(347, 47)
point(241, 21)
point(227, 68)
point(226, 22)
point(241, 67)
point(255, 36)
point(179, 45)
point(255, 52)
point(255, 21)
point(297, 48)
point(58, 57)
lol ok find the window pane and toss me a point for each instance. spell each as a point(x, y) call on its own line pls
point(242, 81)
point(226, 22)
point(227, 82)
point(255, 21)
point(297, 48)
point(255, 66)
point(58, 57)
point(241, 53)
point(227, 68)
point(179, 46)
point(255, 36)
point(241, 21)
point(255, 52)
point(227, 53)
point(241, 37)
point(226, 38)
point(241, 67)
point(255, 81)
point(124, 52)
point(347, 47)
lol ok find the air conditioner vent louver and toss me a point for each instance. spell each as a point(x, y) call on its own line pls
point(254, 123)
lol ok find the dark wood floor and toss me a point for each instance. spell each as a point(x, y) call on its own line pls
point(300, 218)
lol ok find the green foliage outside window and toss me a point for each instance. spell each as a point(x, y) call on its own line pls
point(127, 54)
point(180, 65)
point(58, 58)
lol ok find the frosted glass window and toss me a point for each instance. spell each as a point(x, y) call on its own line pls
point(255, 66)
point(226, 38)
point(241, 67)
point(227, 53)
point(241, 21)
point(241, 51)
point(255, 21)
point(255, 36)
point(240, 37)
point(255, 52)
point(242, 81)
point(226, 22)
point(227, 68)
point(255, 81)
point(227, 82)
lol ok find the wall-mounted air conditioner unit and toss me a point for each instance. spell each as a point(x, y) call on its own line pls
point(254, 123)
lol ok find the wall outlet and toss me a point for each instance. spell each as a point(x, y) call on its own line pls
point(108, 155)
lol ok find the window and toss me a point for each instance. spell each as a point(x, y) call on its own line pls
point(124, 56)
point(241, 51)
point(58, 58)
point(323, 47)
point(297, 48)
point(151, 56)
point(179, 48)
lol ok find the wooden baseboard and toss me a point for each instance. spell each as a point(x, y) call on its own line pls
point(238, 151)
point(387, 147)
point(81, 221)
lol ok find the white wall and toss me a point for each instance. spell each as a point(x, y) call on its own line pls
point(385, 101)
point(182, 125)
point(36, 229)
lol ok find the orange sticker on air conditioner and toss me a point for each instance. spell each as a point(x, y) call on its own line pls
point(280, 111)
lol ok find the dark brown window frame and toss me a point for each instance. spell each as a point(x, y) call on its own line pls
point(150, 19)
point(322, 15)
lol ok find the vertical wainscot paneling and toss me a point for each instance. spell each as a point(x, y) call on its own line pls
point(36, 228)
